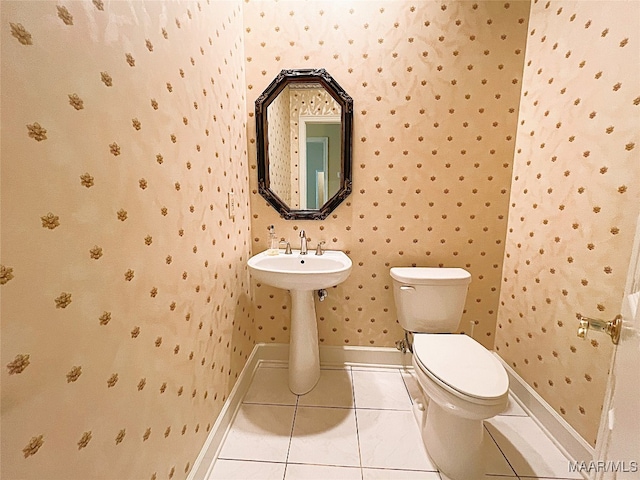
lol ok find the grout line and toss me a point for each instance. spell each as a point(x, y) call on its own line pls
point(406, 387)
point(500, 449)
point(314, 464)
point(530, 477)
point(337, 407)
point(355, 414)
point(251, 460)
point(384, 409)
point(271, 404)
point(293, 424)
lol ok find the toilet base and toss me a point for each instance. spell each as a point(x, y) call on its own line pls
point(455, 444)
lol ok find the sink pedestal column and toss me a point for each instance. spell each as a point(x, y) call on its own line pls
point(304, 355)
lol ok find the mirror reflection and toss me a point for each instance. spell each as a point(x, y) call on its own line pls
point(304, 138)
point(303, 126)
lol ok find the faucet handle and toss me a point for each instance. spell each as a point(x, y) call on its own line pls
point(319, 250)
point(287, 250)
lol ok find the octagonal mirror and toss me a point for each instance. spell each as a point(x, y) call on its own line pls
point(304, 123)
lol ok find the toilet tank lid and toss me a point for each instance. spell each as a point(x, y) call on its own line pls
point(431, 275)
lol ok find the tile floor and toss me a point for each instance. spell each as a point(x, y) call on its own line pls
point(357, 423)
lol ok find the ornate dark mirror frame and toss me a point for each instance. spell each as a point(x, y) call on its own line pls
point(284, 78)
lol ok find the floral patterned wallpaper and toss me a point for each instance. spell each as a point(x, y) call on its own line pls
point(125, 297)
point(574, 200)
point(436, 87)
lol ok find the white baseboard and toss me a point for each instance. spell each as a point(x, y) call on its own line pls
point(380, 357)
point(209, 452)
point(339, 356)
point(565, 437)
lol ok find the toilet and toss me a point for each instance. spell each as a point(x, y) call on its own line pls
point(463, 383)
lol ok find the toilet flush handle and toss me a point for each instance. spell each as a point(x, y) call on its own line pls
point(407, 288)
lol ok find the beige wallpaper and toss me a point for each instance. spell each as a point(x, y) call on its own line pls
point(436, 87)
point(574, 200)
point(125, 310)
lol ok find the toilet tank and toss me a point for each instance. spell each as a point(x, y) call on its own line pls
point(430, 300)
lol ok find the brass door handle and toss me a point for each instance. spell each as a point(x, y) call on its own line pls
point(611, 328)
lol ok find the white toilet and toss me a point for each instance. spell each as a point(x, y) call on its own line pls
point(464, 382)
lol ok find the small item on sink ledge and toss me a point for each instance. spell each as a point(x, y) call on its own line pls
point(274, 245)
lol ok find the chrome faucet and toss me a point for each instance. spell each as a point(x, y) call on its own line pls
point(303, 243)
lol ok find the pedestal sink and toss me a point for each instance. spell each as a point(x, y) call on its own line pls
point(302, 275)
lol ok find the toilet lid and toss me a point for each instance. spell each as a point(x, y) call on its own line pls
point(461, 363)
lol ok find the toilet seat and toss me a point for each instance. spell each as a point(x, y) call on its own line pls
point(462, 366)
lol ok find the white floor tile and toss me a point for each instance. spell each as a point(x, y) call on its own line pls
point(529, 451)
point(242, 470)
point(391, 439)
point(380, 389)
point(321, 472)
point(325, 436)
point(388, 474)
point(270, 386)
point(334, 389)
point(266, 426)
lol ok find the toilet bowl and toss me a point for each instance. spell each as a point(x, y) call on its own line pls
point(463, 382)
point(465, 385)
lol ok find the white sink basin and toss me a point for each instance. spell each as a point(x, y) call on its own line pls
point(301, 272)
